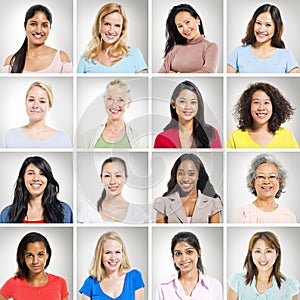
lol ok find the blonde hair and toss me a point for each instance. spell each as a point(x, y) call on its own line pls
point(119, 49)
point(121, 83)
point(97, 269)
point(44, 86)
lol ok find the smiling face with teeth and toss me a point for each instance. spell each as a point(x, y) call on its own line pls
point(112, 256)
point(187, 25)
point(111, 28)
point(37, 28)
point(264, 28)
point(261, 109)
point(264, 256)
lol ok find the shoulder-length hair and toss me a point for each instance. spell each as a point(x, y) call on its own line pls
point(119, 49)
point(281, 108)
point(262, 159)
point(172, 34)
point(44, 86)
point(53, 209)
point(192, 240)
point(203, 183)
point(17, 61)
point(112, 159)
point(203, 133)
point(276, 41)
point(97, 269)
point(272, 241)
point(31, 237)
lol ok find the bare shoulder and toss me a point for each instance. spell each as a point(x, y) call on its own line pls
point(64, 56)
point(8, 59)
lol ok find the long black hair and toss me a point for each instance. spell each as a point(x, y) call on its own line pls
point(110, 160)
point(172, 34)
point(203, 183)
point(17, 61)
point(30, 237)
point(53, 209)
point(203, 134)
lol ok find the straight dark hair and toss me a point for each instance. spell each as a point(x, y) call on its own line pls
point(53, 209)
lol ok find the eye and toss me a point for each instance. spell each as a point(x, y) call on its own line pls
point(45, 25)
point(194, 102)
point(177, 253)
point(191, 173)
point(189, 252)
point(180, 173)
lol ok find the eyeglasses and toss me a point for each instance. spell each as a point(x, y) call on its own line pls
point(118, 102)
point(262, 178)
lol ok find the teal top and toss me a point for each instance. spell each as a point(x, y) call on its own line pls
point(123, 143)
point(288, 289)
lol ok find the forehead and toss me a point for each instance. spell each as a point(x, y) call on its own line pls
point(35, 246)
point(261, 243)
point(117, 91)
point(114, 17)
point(259, 94)
point(31, 166)
point(267, 168)
point(112, 244)
point(187, 164)
point(39, 15)
point(37, 92)
point(182, 245)
point(115, 166)
point(187, 94)
point(265, 17)
point(182, 16)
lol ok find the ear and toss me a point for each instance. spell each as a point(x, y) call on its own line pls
point(198, 20)
point(172, 103)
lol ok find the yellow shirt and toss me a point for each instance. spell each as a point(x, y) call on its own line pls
point(283, 138)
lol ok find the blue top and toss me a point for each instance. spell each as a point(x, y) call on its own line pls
point(244, 61)
point(67, 211)
point(288, 289)
point(132, 63)
point(133, 282)
point(15, 138)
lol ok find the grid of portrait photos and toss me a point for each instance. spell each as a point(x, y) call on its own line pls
point(218, 188)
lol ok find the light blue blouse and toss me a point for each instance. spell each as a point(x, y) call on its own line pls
point(132, 63)
point(288, 289)
point(244, 61)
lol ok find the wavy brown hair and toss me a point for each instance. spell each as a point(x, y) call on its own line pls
point(119, 49)
point(271, 241)
point(281, 107)
point(276, 41)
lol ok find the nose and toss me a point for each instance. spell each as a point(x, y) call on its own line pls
point(34, 259)
point(36, 177)
point(112, 180)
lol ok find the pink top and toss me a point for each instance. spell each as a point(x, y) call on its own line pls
point(251, 214)
point(207, 288)
point(197, 56)
point(57, 66)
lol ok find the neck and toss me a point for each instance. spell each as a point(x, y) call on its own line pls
point(36, 125)
point(114, 199)
point(260, 128)
point(186, 126)
point(112, 275)
point(263, 46)
point(263, 276)
point(35, 202)
point(33, 50)
point(192, 195)
point(37, 279)
point(265, 203)
point(115, 124)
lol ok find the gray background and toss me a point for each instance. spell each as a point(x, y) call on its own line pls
point(211, 14)
point(134, 238)
point(137, 15)
point(60, 240)
point(12, 16)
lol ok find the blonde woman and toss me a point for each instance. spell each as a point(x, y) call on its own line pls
point(37, 134)
point(110, 274)
point(108, 52)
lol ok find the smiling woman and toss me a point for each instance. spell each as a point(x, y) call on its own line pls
point(34, 55)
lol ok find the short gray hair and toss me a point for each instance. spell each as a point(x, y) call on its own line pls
point(261, 159)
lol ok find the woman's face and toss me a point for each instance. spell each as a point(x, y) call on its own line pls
point(263, 256)
point(113, 178)
point(187, 25)
point(187, 176)
point(264, 28)
point(185, 257)
point(35, 181)
point(112, 256)
point(116, 102)
point(37, 104)
point(261, 108)
point(111, 28)
point(36, 257)
point(186, 106)
point(266, 182)
point(37, 28)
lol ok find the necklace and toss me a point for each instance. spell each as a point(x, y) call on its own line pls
point(38, 285)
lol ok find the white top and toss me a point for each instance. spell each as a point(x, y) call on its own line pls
point(15, 138)
point(135, 215)
point(251, 214)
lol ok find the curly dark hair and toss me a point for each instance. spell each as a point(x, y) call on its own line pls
point(281, 107)
point(276, 41)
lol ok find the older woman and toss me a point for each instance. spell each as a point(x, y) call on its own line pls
point(108, 52)
point(37, 134)
point(260, 112)
point(110, 274)
point(263, 278)
point(266, 180)
point(115, 133)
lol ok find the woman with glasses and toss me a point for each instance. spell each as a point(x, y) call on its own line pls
point(114, 133)
point(266, 180)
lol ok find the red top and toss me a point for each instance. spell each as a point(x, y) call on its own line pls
point(19, 289)
point(170, 139)
point(35, 222)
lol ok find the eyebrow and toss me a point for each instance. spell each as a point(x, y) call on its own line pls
point(183, 21)
point(189, 248)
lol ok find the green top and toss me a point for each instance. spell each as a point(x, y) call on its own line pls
point(123, 143)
